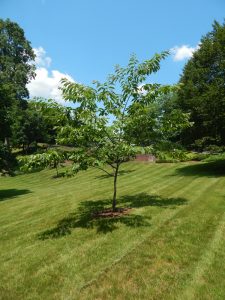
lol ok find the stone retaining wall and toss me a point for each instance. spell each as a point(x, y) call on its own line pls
point(145, 157)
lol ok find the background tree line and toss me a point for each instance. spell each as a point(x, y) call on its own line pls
point(23, 122)
point(201, 95)
point(203, 92)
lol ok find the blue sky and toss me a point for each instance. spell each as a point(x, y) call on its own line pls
point(85, 39)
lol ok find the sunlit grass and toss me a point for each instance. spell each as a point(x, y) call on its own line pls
point(170, 246)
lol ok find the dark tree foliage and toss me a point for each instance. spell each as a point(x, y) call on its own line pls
point(28, 127)
point(162, 121)
point(203, 91)
point(7, 159)
point(39, 120)
point(54, 116)
point(16, 71)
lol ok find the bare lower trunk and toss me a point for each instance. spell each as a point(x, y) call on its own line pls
point(57, 172)
point(115, 188)
point(7, 142)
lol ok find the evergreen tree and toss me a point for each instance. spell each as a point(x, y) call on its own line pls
point(203, 91)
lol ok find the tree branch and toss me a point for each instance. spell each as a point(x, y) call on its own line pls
point(103, 170)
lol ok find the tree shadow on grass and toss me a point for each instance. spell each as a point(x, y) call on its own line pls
point(144, 199)
point(85, 215)
point(208, 169)
point(12, 193)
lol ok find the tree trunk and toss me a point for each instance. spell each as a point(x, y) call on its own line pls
point(57, 172)
point(7, 142)
point(115, 188)
point(27, 148)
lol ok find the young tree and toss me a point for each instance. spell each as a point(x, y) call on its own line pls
point(50, 159)
point(203, 90)
point(104, 114)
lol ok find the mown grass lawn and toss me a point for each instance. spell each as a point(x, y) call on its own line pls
point(170, 246)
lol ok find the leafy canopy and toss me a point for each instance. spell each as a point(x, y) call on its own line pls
point(49, 159)
point(106, 110)
point(103, 112)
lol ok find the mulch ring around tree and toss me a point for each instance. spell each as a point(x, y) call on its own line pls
point(109, 213)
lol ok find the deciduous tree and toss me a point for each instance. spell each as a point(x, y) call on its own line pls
point(16, 70)
point(104, 112)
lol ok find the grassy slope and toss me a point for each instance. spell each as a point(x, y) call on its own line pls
point(172, 245)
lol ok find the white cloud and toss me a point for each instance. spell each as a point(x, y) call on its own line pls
point(46, 83)
point(183, 52)
point(41, 59)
